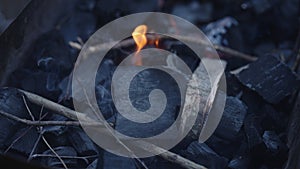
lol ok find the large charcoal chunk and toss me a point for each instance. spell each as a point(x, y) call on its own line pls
point(140, 88)
point(270, 78)
point(232, 119)
point(111, 161)
point(81, 142)
point(204, 155)
point(10, 102)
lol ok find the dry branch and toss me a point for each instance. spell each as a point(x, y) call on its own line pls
point(130, 42)
point(167, 155)
point(40, 123)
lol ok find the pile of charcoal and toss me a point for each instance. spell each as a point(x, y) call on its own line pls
point(254, 131)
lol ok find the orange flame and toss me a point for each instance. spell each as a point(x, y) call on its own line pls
point(139, 36)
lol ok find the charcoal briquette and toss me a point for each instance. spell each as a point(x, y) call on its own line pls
point(232, 119)
point(270, 78)
point(204, 155)
point(111, 161)
point(10, 102)
point(81, 142)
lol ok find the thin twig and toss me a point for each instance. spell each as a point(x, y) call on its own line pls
point(40, 123)
point(34, 147)
point(36, 99)
point(40, 131)
point(51, 105)
point(235, 53)
point(60, 159)
point(28, 110)
point(17, 139)
point(231, 52)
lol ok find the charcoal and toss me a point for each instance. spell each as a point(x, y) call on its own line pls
point(204, 155)
point(103, 88)
point(215, 31)
point(241, 159)
point(235, 86)
point(81, 142)
point(253, 131)
point(10, 102)
point(24, 140)
point(62, 141)
point(273, 119)
point(111, 161)
point(182, 51)
point(270, 78)
point(232, 119)
point(56, 130)
point(194, 11)
point(223, 147)
point(132, 129)
point(239, 163)
point(272, 142)
point(52, 132)
point(293, 138)
point(93, 165)
point(54, 162)
point(139, 90)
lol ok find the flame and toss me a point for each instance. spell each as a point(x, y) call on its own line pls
point(139, 36)
point(157, 42)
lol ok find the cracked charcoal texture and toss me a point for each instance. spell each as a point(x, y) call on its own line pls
point(270, 78)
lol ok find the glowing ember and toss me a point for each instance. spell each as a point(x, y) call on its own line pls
point(139, 36)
